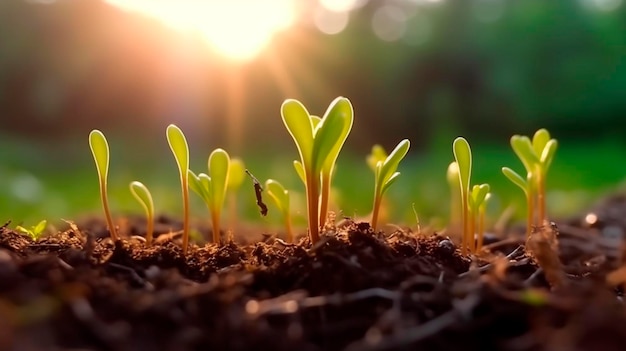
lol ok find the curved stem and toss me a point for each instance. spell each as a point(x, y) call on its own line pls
point(185, 213)
point(149, 229)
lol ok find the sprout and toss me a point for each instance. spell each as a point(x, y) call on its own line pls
point(452, 176)
point(178, 144)
point(212, 187)
point(318, 143)
point(476, 207)
point(536, 156)
point(100, 151)
point(463, 156)
point(236, 175)
point(35, 231)
point(385, 174)
point(142, 194)
point(378, 154)
point(281, 198)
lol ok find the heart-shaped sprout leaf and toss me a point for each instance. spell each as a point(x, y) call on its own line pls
point(100, 151)
point(143, 196)
point(385, 174)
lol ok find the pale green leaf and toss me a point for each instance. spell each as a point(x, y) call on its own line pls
point(547, 155)
point(515, 178)
point(391, 163)
point(478, 195)
point(463, 156)
point(100, 151)
point(331, 133)
point(40, 227)
point(298, 123)
point(378, 154)
point(523, 148)
point(178, 145)
point(280, 196)
point(339, 106)
point(297, 165)
point(197, 187)
point(540, 139)
point(236, 174)
point(143, 196)
point(315, 121)
point(452, 174)
point(219, 165)
point(392, 179)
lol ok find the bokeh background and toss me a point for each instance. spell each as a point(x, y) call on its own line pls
point(427, 70)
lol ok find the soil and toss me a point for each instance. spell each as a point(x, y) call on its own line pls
point(355, 290)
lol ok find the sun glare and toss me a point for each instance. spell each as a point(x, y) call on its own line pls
point(238, 29)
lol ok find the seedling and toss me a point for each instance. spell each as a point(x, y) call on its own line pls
point(142, 194)
point(100, 151)
point(385, 174)
point(178, 144)
point(452, 176)
point(463, 156)
point(537, 156)
point(212, 187)
point(317, 143)
point(476, 210)
point(35, 231)
point(281, 198)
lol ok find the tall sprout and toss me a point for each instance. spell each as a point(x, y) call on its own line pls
point(100, 151)
point(178, 144)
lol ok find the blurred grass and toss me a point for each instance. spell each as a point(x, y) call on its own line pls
point(43, 180)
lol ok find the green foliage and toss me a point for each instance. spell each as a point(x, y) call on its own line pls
point(318, 142)
point(385, 174)
point(378, 154)
point(143, 196)
point(178, 144)
point(212, 187)
point(100, 151)
point(36, 231)
point(280, 196)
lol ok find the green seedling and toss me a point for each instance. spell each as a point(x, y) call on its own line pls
point(385, 174)
point(452, 176)
point(142, 194)
point(100, 151)
point(236, 176)
point(35, 231)
point(212, 187)
point(318, 143)
point(178, 144)
point(536, 156)
point(476, 204)
point(463, 156)
point(280, 196)
point(378, 154)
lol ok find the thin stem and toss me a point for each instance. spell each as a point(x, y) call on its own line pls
point(232, 209)
point(481, 228)
point(105, 207)
point(149, 229)
point(312, 196)
point(530, 209)
point(376, 208)
point(465, 219)
point(215, 220)
point(185, 187)
point(541, 199)
point(288, 228)
point(325, 195)
point(471, 237)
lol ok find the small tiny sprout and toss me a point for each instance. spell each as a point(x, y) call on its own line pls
point(463, 156)
point(178, 145)
point(378, 154)
point(281, 198)
point(319, 142)
point(477, 199)
point(100, 151)
point(385, 174)
point(536, 156)
point(212, 187)
point(142, 194)
point(35, 231)
point(258, 193)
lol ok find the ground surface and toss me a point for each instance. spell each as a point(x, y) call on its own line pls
point(356, 290)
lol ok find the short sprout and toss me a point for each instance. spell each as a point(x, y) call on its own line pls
point(143, 196)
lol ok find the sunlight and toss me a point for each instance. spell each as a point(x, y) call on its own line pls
point(238, 29)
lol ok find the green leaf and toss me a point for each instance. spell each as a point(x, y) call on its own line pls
point(378, 154)
point(478, 195)
point(298, 123)
point(100, 151)
point(278, 193)
point(197, 187)
point(391, 163)
point(540, 139)
point(547, 155)
point(390, 181)
point(331, 133)
point(300, 171)
point(236, 174)
point(40, 227)
point(205, 182)
point(315, 121)
point(143, 196)
point(339, 106)
point(524, 150)
point(463, 156)
point(219, 165)
point(452, 174)
point(178, 145)
point(515, 178)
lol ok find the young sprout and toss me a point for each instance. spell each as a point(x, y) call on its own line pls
point(281, 198)
point(537, 156)
point(317, 142)
point(385, 174)
point(476, 207)
point(100, 151)
point(35, 231)
point(212, 187)
point(236, 176)
point(452, 176)
point(142, 194)
point(482, 209)
point(178, 145)
point(463, 156)
point(378, 154)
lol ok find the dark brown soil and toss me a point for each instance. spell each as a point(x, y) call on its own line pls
point(357, 290)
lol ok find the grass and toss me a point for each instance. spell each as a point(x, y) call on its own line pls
point(42, 181)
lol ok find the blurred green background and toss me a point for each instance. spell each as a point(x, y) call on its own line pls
point(427, 70)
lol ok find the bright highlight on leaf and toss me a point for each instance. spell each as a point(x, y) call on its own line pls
point(178, 144)
point(35, 231)
point(100, 151)
point(143, 196)
point(385, 174)
point(280, 196)
point(319, 142)
point(536, 156)
point(212, 187)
